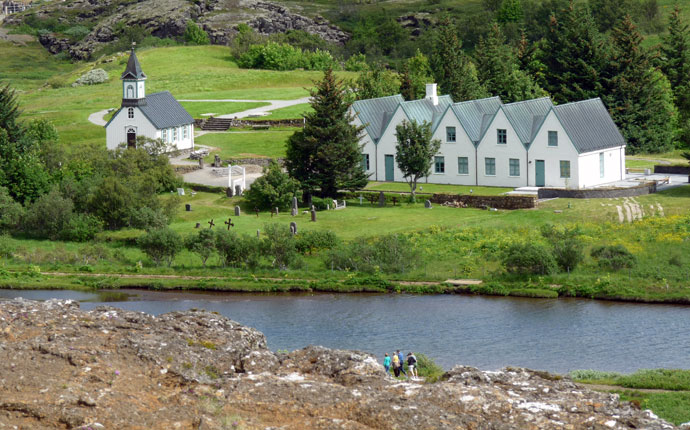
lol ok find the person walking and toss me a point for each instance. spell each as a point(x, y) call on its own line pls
point(401, 359)
point(387, 363)
point(396, 365)
point(412, 365)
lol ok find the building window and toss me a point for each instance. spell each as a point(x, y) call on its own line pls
point(130, 91)
point(130, 113)
point(165, 135)
point(565, 169)
point(365, 162)
point(502, 136)
point(553, 138)
point(490, 166)
point(175, 134)
point(601, 165)
point(185, 132)
point(514, 167)
point(450, 134)
point(463, 166)
point(439, 165)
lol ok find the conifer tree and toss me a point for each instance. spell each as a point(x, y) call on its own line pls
point(639, 97)
point(499, 72)
point(676, 65)
point(574, 56)
point(406, 86)
point(453, 70)
point(326, 155)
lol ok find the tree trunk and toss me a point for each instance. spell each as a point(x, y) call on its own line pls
point(413, 190)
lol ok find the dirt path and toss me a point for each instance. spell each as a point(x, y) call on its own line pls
point(602, 387)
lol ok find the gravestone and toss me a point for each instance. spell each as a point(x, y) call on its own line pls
point(313, 215)
point(228, 192)
point(198, 225)
point(180, 191)
point(294, 203)
point(229, 223)
point(395, 200)
point(257, 212)
point(313, 208)
point(293, 228)
point(216, 160)
point(360, 199)
point(258, 234)
point(382, 199)
point(276, 211)
point(211, 223)
point(293, 212)
point(238, 190)
point(237, 211)
point(188, 207)
point(328, 207)
point(201, 163)
point(427, 204)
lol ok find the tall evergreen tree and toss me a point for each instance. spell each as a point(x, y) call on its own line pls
point(406, 85)
point(326, 155)
point(639, 97)
point(453, 70)
point(676, 65)
point(499, 72)
point(574, 56)
point(9, 113)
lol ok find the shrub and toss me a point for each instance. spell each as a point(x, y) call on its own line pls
point(236, 250)
point(273, 189)
point(7, 247)
point(427, 368)
point(148, 219)
point(568, 249)
point(11, 212)
point(283, 56)
point(81, 228)
point(93, 253)
point(534, 293)
point(161, 245)
point(194, 35)
point(528, 259)
point(48, 216)
point(279, 244)
point(312, 240)
point(356, 63)
point(614, 257)
point(202, 244)
point(321, 204)
point(92, 77)
point(78, 32)
point(390, 253)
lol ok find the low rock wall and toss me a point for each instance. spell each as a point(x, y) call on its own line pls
point(255, 161)
point(186, 169)
point(675, 170)
point(598, 193)
point(498, 202)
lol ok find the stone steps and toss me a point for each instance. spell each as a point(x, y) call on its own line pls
point(217, 124)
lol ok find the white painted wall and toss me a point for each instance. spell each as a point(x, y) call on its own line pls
point(552, 155)
point(488, 147)
point(368, 147)
point(589, 167)
point(387, 144)
point(116, 131)
point(462, 147)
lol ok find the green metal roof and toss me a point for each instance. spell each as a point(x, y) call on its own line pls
point(375, 113)
point(527, 116)
point(589, 125)
point(424, 110)
point(475, 115)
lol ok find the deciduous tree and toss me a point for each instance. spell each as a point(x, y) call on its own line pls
point(273, 189)
point(415, 151)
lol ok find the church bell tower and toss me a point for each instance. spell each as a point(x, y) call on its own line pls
point(133, 82)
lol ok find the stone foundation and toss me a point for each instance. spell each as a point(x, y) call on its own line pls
point(598, 193)
point(498, 202)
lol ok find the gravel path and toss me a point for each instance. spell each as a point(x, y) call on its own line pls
point(98, 117)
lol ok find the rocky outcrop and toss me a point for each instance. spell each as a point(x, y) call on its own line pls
point(61, 367)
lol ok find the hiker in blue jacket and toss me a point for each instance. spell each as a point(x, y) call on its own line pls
point(402, 360)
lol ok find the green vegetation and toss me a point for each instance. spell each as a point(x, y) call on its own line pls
point(247, 144)
point(197, 109)
point(672, 405)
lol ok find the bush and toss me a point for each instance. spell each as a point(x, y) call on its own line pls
point(312, 240)
point(614, 257)
point(273, 189)
point(427, 368)
point(280, 245)
point(78, 32)
point(202, 244)
point(283, 56)
point(390, 253)
point(161, 245)
point(528, 259)
point(7, 246)
point(194, 35)
point(321, 204)
point(236, 250)
point(356, 63)
point(11, 212)
point(92, 77)
point(48, 216)
point(81, 228)
point(568, 249)
point(148, 219)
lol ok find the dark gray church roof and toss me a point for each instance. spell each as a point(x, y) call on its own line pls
point(133, 69)
point(164, 111)
point(375, 113)
point(589, 125)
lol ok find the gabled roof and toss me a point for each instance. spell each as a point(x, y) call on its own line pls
point(164, 111)
point(133, 69)
point(424, 110)
point(475, 115)
point(527, 116)
point(589, 125)
point(375, 113)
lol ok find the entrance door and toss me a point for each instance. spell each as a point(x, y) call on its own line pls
point(131, 138)
point(539, 175)
point(389, 167)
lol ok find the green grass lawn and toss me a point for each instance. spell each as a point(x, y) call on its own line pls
point(247, 144)
point(648, 161)
point(290, 112)
point(197, 109)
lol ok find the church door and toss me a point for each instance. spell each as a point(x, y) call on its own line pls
point(131, 138)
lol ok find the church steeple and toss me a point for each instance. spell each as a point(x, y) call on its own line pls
point(133, 85)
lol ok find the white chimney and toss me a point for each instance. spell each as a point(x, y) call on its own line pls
point(431, 93)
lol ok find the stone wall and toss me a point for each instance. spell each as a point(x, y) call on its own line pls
point(676, 170)
point(186, 169)
point(498, 202)
point(598, 193)
point(255, 161)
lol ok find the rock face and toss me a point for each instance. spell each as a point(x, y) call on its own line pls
point(168, 18)
point(61, 367)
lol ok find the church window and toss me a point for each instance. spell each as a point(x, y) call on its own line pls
point(175, 134)
point(185, 132)
point(165, 135)
point(130, 91)
point(130, 113)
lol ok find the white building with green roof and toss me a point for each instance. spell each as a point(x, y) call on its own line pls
point(488, 143)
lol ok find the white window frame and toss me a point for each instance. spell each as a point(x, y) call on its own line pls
point(467, 166)
point(555, 134)
point(602, 165)
point(561, 165)
point(442, 165)
point(185, 132)
point(164, 135)
point(450, 129)
point(175, 134)
point(498, 136)
point(130, 113)
point(511, 165)
point(486, 164)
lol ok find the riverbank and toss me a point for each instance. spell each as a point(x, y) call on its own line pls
point(109, 368)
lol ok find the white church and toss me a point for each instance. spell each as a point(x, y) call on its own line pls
point(532, 143)
point(156, 116)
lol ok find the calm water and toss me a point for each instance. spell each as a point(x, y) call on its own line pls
point(486, 332)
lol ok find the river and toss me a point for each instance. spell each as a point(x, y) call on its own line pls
point(557, 335)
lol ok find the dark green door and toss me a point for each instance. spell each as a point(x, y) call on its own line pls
point(539, 175)
point(389, 167)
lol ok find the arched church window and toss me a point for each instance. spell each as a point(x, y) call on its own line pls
point(130, 113)
point(130, 91)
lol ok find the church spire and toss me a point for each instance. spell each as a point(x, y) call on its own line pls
point(133, 70)
point(133, 85)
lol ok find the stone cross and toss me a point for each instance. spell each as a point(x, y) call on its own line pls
point(237, 211)
point(293, 228)
point(211, 223)
point(360, 199)
point(229, 223)
point(313, 215)
point(382, 199)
